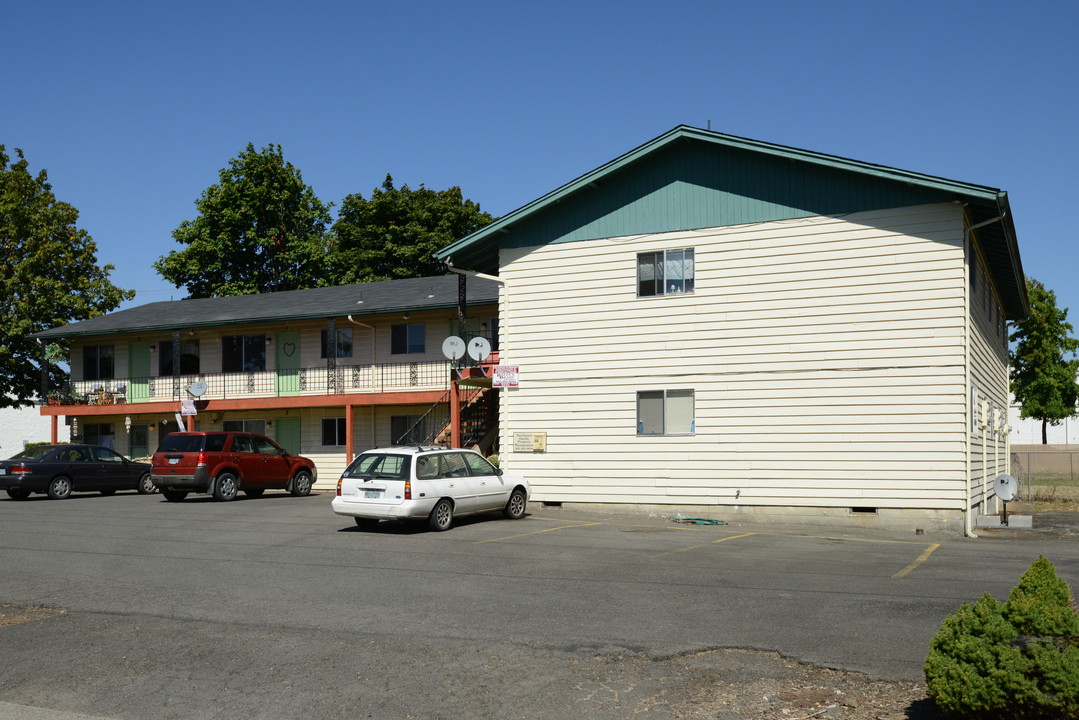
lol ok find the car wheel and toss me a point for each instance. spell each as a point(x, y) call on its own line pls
point(225, 488)
point(301, 484)
point(59, 488)
point(254, 492)
point(441, 516)
point(146, 485)
point(174, 495)
point(367, 523)
point(18, 494)
point(107, 492)
point(515, 506)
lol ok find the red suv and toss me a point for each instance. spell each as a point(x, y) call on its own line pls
point(223, 463)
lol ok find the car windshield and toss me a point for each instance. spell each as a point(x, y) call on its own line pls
point(379, 465)
point(33, 453)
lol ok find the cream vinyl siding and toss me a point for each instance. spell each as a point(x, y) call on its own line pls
point(989, 376)
point(826, 356)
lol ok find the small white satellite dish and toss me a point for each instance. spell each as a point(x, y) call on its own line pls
point(453, 347)
point(478, 349)
point(197, 388)
point(1006, 487)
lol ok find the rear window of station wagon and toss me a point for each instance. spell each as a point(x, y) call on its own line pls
point(379, 465)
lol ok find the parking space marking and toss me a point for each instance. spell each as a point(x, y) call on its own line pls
point(711, 542)
point(536, 532)
point(921, 559)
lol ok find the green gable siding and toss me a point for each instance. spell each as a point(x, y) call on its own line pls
point(690, 185)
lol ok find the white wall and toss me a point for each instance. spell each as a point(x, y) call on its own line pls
point(19, 426)
point(826, 355)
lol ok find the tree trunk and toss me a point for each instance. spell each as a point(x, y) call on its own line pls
point(1045, 426)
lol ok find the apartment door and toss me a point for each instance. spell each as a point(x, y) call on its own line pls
point(138, 376)
point(288, 364)
point(287, 433)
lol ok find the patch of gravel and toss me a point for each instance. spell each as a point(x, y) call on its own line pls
point(15, 614)
point(786, 688)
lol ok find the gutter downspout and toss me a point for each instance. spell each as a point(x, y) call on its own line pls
point(968, 249)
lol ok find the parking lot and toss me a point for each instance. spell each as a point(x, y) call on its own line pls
point(276, 607)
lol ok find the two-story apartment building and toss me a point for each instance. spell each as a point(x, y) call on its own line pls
point(326, 372)
point(724, 326)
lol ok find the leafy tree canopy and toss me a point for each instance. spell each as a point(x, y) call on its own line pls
point(395, 233)
point(260, 229)
point(51, 277)
point(1044, 364)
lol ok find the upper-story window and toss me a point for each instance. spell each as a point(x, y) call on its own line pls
point(344, 343)
point(667, 272)
point(98, 362)
point(405, 339)
point(189, 357)
point(243, 353)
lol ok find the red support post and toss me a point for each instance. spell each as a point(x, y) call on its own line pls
point(348, 435)
point(455, 411)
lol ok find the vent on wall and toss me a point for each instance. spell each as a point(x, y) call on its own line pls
point(863, 510)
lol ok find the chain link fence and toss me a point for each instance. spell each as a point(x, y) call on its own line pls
point(1046, 475)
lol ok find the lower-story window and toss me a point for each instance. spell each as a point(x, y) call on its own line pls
point(403, 432)
point(333, 432)
point(99, 434)
point(665, 412)
point(251, 426)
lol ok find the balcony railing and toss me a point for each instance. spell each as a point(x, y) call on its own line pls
point(383, 377)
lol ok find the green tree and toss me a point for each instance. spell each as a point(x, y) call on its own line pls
point(1044, 363)
point(51, 277)
point(394, 234)
point(260, 229)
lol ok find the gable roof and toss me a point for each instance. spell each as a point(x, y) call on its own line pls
point(407, 295)
point(689, 179)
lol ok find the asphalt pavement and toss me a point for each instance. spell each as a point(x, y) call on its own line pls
point(276, 608)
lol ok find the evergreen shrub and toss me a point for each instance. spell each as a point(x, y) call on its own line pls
point(1012, 660)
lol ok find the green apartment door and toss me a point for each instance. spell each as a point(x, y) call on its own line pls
point(288, 364)
point(287, 433)
point(138, 376)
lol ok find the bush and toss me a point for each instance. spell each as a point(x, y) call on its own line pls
point(1019, 659)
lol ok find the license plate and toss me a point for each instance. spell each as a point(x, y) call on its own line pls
point(372, 493)
point(174, 461)
point(3, 471)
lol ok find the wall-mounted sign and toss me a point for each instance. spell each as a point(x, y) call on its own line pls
point(505, 376)
point(187, 407)
point(529, 442)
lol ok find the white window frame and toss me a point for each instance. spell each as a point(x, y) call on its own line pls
point(665, 396)
point(661, 260)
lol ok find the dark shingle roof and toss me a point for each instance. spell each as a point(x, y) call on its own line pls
point(409, 295)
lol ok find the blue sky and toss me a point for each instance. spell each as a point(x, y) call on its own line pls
point(134, 107)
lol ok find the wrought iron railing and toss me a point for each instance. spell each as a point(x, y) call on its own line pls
point(381, 377)
point(478, 416)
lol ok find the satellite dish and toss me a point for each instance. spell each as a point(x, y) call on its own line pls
point(479, 349)
point(1006, 487)
point(453, 347)
point(197, 388)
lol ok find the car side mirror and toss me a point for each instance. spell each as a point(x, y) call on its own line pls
point(498, 471)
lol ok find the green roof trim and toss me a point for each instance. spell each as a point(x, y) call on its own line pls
point(690, 178)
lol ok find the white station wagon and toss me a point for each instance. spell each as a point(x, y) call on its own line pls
point(432, 483)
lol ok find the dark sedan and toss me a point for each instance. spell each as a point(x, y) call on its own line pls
point(59, 470)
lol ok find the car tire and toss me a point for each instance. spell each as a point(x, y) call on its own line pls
point(174, 495)
point(441, 516)
point(367, 523)
point(107, 492)
point(301, 484)
point(226, 487)
point(18, 494)
point(515, 506)
point(146, 485)
point(254, 492)
point(59, 488)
